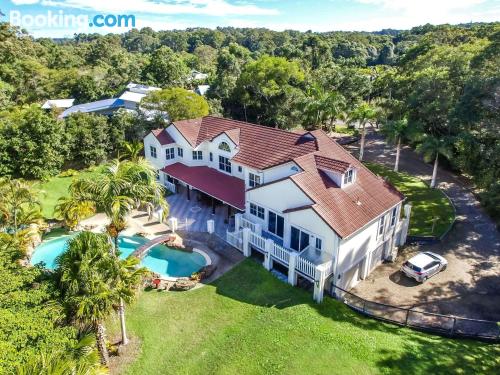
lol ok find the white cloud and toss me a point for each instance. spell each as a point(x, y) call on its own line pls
point(193, 7)
point(24, 2)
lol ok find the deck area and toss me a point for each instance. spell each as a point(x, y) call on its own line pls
point(192, 215)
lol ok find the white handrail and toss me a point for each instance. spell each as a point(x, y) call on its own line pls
point(306, 267)
point(235, 239)
point(245, 223)
point(280, 253)
point(170, 186)
point(258, 241)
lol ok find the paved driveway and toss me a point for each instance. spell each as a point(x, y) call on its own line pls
point(470, 286)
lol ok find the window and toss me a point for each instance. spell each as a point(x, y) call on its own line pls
point(393, 216)
point(240, 168)
point(211, 157)
point(298, 240)
point(319, 243)
point(197, 155)
point(253, 180)
point(152, 151)
point(224, 147)
point(170, 153)
point(380, 229)
point(276, 224)
point(180, 152)
point(348, 176)
point(257, 211)
point(224, 164)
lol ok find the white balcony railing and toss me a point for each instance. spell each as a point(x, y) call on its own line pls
point(235, 239)
point(257, 241)
point(245, 223)
point(306, 267)
point(280, 253)
point(170, 186)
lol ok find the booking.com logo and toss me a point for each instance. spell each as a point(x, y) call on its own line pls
point(61, 20)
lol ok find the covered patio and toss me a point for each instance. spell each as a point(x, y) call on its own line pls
point(201, 194)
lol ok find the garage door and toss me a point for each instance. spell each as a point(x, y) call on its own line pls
point(377, 257)
point(351, 277)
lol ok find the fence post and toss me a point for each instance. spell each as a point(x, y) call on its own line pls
point(237, 222)
point(292, 275)
point(319, 283)
point(246, 242)
point(268, 261)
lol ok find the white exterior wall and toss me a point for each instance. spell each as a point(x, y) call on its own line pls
point(280, 171)
point(150, 140)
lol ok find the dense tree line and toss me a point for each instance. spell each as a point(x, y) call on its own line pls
point(442, 82)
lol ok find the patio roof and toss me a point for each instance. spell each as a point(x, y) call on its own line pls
point(228, 189)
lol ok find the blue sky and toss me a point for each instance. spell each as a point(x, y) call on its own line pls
point(316, 15)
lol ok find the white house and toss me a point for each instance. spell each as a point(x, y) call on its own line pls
point(301, 200)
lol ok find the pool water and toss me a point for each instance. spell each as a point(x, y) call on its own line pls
point(160, 259)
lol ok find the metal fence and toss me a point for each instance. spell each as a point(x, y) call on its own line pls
point(434, 323)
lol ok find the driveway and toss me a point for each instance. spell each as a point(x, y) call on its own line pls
point(470, 286)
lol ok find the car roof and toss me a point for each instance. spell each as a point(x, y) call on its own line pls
point(421, 260)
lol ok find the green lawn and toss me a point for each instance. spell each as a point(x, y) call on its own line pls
point(427, 203)
point(50, 191)
point(249, 322)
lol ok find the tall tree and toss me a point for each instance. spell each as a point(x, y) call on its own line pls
point(363, 114)
point(431, 147)
point(166, 68)
point(394, 132)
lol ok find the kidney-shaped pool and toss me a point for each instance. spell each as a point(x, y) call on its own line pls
point(160, 259)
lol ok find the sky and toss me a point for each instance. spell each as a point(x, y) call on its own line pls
point(315, 15)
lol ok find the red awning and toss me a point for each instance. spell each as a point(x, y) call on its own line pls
point(228, 189)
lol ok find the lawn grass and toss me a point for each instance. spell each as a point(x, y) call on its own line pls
point(249, 322)
point(427, 203)
point(50, 191)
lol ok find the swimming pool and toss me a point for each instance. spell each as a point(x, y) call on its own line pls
point(160, 259)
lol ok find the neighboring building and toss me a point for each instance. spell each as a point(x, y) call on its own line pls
point(129, 100)
point(134, 94)
point(197, 76)
point(104, 107)
point(202, 89)
point(58, 103)
point(298, 198)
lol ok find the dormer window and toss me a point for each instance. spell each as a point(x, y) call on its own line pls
point(224, 147)
point(348, 177)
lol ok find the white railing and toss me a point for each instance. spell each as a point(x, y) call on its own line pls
point(245, 223)
point(235, 239)
point(306, 267)
point(257, 241)
point(280, 253)
point(170, 186)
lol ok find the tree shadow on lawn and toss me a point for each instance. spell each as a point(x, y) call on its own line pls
point(250, 283)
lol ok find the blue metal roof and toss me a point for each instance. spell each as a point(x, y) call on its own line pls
point(100, 105)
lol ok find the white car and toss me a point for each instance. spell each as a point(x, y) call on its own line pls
point(424, 265)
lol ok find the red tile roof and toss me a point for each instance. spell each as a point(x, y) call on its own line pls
point(229, 189)
point(345, 210)
point(331, 164)
point(260, 147)
point(350, 208)
point(163, 137)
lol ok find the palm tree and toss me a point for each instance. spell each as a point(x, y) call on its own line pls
point(364, 113)
point(19, 206)
point(322, 106)
point(81, 359)
point(431, 147)
point(84, 271)
point(132, 150)
point(394, 132)
point(128, 277)
point(93, 281)
point(120, 187)
point(72, 210)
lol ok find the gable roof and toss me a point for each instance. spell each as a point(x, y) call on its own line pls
point(97, 106)
point(260, 147)
point(345, 210)
point(350, 208)
point(163, 137)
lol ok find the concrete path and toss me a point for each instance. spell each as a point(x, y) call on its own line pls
point(471, 285)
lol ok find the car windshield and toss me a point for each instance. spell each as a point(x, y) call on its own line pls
point(413, 267)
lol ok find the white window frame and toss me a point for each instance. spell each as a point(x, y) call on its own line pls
point(257, 211)
point(197, 155)
point(170, 153)
point(381, 226)
point(394, 214)
point(180, 152)
point(224, 146)
point(225, 164)
point(348, 177)
point(252, 180)
point(320, 243)
point(276, 224)
point(153, 152)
